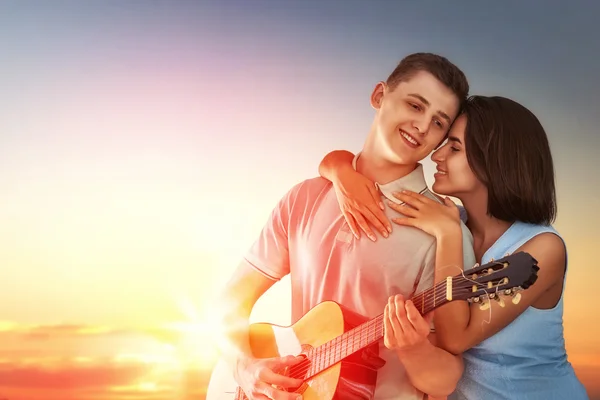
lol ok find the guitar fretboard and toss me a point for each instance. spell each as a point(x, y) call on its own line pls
point(358, 338)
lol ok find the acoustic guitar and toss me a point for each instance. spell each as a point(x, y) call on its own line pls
point(340, 347)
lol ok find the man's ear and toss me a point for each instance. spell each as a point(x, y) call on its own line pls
point(377, 95)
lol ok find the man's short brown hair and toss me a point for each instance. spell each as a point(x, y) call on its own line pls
point(438, 66)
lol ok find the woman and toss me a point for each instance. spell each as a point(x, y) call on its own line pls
point(497, 161)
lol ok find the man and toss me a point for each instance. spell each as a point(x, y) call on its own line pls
point(307, 237)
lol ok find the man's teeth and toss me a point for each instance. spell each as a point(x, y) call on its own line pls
point(411, 140)
point(442, 172)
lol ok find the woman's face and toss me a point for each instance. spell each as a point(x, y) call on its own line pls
point(454, 176)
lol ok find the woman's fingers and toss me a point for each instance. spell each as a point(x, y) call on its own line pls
point(362, 223)
point(376, 217)
point(376, 196)
point(352, 224)
point(403, 209)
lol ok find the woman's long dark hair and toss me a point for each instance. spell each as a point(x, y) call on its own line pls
point(508, 150)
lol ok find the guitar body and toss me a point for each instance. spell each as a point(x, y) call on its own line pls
point(353, 378)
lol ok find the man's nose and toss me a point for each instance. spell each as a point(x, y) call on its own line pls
point(421, 125)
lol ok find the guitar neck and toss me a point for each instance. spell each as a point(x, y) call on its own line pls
point(363, 335)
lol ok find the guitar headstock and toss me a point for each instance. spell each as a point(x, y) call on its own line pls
point(505, 276)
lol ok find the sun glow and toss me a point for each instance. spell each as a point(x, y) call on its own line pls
point(197, 336)
point(147, 387)
point(196, 346)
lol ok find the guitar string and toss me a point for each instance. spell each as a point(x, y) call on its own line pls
point(352, 331)
point(338, 343)
point(378, 324)
point(335, 348)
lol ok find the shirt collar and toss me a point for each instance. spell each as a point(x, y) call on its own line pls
point(415, 182)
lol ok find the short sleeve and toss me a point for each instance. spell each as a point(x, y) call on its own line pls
point(270, 252)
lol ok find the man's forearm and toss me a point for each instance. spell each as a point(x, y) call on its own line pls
point(232, 339)
point(234, 306)
point(432, 370)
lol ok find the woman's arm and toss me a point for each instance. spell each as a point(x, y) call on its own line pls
point(358, 197)
point(335, 162)
point(458, 324)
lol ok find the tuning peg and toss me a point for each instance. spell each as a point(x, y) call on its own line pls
point(484, 305)
point(516, 298)
point(500, 301)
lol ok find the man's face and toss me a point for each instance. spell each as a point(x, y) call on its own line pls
point(412, 119)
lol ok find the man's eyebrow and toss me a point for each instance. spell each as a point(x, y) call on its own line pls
point(446, 117)
point(454, 139)
point(418, 96)
point(424, 101)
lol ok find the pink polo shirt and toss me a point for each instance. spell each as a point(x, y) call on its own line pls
point(308, 238)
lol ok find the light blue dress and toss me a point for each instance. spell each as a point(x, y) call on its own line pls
point(527, 359)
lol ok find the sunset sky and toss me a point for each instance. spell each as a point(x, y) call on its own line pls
point(144, 143)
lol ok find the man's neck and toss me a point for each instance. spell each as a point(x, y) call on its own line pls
point(380, 170)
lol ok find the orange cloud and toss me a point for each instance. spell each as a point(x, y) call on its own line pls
point(71, 375)
point(99, 380)
point(86, 362)
point(181, 343)
point(169, 333)
point(46, 331)
point(43, 332)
